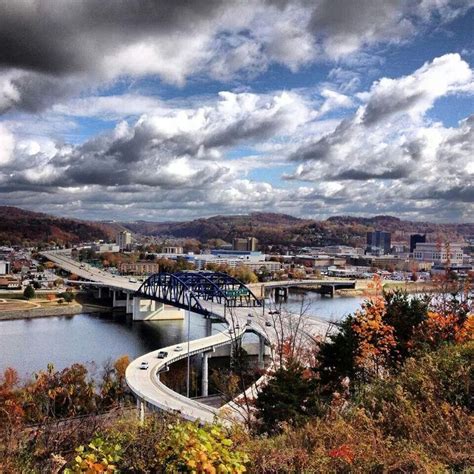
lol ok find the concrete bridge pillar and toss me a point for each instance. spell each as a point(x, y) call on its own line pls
point(141, 410)
point(205, 374)
point(261, 352)
point(149, 310)
point(281, 293)
point(129, 304)
point(99, 293)
point(117, 302)
point(208, 327)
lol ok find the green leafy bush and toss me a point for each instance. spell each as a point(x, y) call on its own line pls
point(98, 456)
point(191, 448)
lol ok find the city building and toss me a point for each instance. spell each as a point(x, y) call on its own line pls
point(124, 240)
point(416, 239)
point(379, 242)
point(247, 244)
point(341, 250)
point(102, 248)
point(144, 267)
point(4, 267)
point(10, 284)
point(173, 250)
point(439, 254)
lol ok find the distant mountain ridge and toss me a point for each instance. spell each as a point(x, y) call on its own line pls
point(23, 227)
point(275, 229)
point(19, 226)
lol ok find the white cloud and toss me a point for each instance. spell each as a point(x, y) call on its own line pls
point(7, 144)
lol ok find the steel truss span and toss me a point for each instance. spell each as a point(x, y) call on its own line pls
point(185, 289)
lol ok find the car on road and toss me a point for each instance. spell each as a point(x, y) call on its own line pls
point(162, 355)
point(178, 348)
point(132, 280)
point(268, 323)
point(144, 365)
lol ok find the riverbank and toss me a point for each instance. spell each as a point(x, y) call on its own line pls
point(65, 309)
point(364, 288)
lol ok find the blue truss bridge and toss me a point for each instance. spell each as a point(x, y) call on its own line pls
point(187, 290)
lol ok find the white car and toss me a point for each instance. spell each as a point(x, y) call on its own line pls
point(144, 365)
point(178, 348)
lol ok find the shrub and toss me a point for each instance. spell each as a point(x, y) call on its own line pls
point(29, 292)
point(191, 448)
point(98, 456)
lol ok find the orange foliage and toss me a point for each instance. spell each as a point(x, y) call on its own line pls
point(376, 338)
point(11, 411)
point(121, 365)
point(343, 452)
point(439, 328)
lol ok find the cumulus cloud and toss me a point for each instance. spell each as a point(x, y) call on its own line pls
point(167, 149)
point(50, 49)
point(389, 150)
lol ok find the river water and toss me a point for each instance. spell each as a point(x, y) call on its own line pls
point(29, 345)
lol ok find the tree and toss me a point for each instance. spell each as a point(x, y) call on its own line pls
point(29, 292)
point(67, 296)
point(291, 396)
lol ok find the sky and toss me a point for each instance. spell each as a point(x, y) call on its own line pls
point(178, 109)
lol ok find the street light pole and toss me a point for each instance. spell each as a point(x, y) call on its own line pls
point(189, 357)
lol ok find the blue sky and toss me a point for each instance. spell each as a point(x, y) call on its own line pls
point(180, 110)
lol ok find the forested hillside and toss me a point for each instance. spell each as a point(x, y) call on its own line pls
point(22, 227)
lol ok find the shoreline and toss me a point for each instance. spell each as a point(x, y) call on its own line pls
point(410, 288)
point(48, 312)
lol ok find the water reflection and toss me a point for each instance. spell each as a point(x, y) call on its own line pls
point(29, 345)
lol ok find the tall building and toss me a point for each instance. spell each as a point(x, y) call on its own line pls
point(379, 242)
point(245, 245)
point(124, 240)
point(439, 254)
point(416, 239)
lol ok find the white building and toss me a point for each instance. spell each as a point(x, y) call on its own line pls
point(102, 248)
point(4, 267)
point(124, 240)
point(439, 254)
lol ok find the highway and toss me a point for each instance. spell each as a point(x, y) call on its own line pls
point(146, 384)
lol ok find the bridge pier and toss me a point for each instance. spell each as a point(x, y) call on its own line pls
point(328, 290)
point(141, 410)
point(129, 304)
point(150, 310)
point(205, 375)
point(261, 352)
point(208, 327)
point(281, 293)
point(116, 302)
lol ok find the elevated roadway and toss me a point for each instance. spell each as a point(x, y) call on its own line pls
point(146, 383)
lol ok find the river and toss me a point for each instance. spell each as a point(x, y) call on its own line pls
point(29, 345)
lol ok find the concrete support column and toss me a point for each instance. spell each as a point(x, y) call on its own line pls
point(142, 412)
point(261, 352)
point(205, 375)
point(99, 293)
point(208, 327)
point(129, 304)
point(114, 298)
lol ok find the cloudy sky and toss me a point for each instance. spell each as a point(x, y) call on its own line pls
point(176, 109)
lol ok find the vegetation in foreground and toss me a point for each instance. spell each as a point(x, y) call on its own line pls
point(391, 391)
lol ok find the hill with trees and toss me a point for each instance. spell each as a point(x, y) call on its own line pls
point(18, 226)
point(282, 229)
point(22, 227)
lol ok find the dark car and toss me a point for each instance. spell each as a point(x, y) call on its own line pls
point(162, 355)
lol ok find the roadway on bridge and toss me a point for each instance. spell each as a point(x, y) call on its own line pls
point(146, 384)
